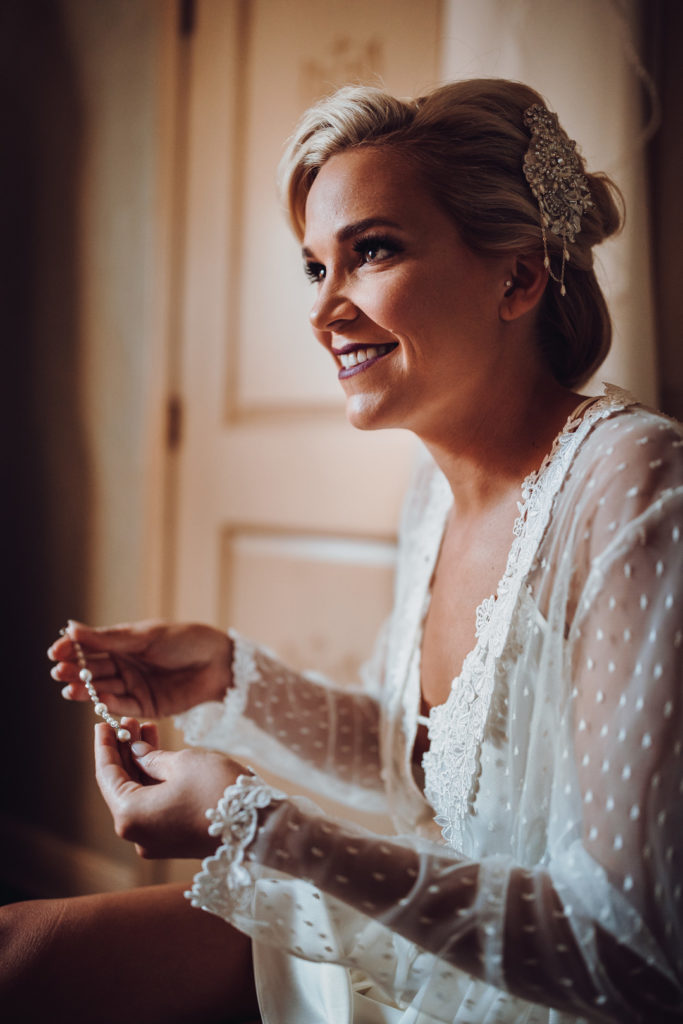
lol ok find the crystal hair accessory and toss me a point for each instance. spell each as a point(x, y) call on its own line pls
point(553, 170)
point(101, 708)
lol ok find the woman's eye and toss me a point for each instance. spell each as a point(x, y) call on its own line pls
point(375, 250)
point(314, 271)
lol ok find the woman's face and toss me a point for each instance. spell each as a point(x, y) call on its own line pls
point(409, 313)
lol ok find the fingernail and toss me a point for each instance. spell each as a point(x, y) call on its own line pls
point(54, 673)
point(139, 748)
point(66, 692)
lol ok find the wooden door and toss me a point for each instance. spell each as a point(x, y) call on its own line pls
point(286, 516)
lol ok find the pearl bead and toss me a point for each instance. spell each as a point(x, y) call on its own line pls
point(100, 708)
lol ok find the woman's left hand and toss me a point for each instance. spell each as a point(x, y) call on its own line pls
point(159, 798)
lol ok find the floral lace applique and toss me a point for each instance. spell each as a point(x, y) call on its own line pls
point(224, 885)
point(458, 727)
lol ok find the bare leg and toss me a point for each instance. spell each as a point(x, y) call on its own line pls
point(145, 953)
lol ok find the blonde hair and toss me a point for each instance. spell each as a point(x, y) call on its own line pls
point(467, 142)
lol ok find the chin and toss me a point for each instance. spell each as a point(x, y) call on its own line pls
point(364, 413)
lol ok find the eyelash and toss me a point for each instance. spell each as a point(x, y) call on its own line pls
point(371, 243)
point(315, 272)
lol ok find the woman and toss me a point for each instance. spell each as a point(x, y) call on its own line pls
point(527, 745)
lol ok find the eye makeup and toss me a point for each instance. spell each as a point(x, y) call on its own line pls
point(374, 248)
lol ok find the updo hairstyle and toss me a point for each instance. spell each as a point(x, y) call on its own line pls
point(467, 142)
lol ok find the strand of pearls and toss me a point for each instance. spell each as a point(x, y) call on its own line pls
point(101, 708)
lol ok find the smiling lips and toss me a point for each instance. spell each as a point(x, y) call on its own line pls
point(354, 358)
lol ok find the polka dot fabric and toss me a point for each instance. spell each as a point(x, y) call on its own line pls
point(299, 725)
point(543, 881)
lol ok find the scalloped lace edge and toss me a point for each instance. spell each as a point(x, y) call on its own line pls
point(223, 886)
point(198, 723)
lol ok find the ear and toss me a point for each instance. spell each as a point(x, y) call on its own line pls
point(529, 278)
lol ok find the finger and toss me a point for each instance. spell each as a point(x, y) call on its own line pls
point(124, 638)
point(94, 641)
point(64, 649)
point(118, 690)
point(116, 702)
point(148, 735)
point(149, 732)
point(61, 648)
point(133, 727)
point(73, 692)
point(67, 668)
point(108, 690)
point(74, 688)
point(114, 781)
point(127, 759)
point(157, 764)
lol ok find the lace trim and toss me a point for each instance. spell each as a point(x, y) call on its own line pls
point(200, 723)
point(224, 884)
point(457, 728)
point(244, 673)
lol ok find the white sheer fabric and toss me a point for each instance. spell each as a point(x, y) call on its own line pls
point(542, 866)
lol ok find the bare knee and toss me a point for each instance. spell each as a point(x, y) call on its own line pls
point(96, 957)
point(26, 931)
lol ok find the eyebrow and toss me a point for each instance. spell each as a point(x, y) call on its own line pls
point(357, 228)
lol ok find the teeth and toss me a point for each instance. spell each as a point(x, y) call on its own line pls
point(362, 355)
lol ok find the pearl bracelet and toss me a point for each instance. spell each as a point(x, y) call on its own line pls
point(101, 708)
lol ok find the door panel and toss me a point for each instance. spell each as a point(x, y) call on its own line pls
point(293, 592)
point(286, 516)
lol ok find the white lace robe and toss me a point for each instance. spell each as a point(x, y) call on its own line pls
point(541, 867)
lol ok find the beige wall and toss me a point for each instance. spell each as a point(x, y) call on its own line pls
point(123, 68)
point(83, 357)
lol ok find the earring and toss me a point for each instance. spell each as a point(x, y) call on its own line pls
point(509, 286)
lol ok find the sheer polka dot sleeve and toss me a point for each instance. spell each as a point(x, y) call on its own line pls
point(418, 920)
point(298, 725)
point(627, 668)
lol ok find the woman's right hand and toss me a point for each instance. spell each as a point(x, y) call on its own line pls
point(145, 669)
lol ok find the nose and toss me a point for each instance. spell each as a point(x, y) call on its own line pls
point(332, 309)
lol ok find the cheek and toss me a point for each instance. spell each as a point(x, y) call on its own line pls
point(395, 305)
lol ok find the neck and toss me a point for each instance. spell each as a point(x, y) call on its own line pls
point(505, 438)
